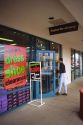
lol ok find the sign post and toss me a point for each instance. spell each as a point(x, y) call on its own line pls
point(35, 75)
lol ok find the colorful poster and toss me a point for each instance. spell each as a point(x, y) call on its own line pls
point(14, 66)
point(35, 70)
point(1, 64)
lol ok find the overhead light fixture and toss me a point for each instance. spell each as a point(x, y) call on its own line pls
point(13, 44)
point(5, 39)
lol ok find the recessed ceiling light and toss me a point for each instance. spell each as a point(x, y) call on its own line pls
point(5, 39)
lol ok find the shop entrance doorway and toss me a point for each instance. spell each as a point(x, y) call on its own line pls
point(47, 59)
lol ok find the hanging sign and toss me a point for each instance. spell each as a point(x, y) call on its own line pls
point(35, 69)
point(63, 28)
point(14, 66)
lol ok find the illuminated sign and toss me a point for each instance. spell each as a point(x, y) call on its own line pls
point(35, 70)
point(14, 66)
point(63, 28)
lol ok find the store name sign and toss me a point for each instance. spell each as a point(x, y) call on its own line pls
point(63, 28)
point(14, 66)
point(35, 70)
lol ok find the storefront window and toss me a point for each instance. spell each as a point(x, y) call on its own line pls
point(76, 64)
point(31, 44)
point(58, 49)
point(81, 64)
point(1, 65)
point(41, 44)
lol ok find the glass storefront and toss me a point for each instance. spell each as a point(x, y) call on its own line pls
point(9, 36)
point(42, 44)
point(58, 49)
point(76, 64)
point(47, 59)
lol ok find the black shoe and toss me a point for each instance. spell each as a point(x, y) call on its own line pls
point(64, 94)
point(57, 93)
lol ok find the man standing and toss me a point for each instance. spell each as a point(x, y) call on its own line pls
point(62, 81)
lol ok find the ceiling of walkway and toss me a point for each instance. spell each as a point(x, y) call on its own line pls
point(31, 16)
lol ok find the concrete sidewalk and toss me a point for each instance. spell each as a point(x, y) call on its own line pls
point(59, 110)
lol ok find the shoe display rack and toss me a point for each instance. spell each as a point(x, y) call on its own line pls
point(12, 99)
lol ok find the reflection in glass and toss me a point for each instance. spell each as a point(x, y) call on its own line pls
point(76, 64)
point(47, 66)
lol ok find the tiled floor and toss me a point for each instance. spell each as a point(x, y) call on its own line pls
point(59, 110)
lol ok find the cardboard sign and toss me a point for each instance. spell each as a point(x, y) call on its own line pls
point(14, 66)
point(35, 70)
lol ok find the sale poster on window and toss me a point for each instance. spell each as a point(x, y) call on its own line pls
point(14, 66)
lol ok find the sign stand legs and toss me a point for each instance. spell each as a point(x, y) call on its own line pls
point(34, 102)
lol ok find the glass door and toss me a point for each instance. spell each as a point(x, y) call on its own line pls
point(47, 59)
point(76, 64)
point(72, 64)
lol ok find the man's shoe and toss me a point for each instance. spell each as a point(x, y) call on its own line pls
point(57, 93)
point(64, 94)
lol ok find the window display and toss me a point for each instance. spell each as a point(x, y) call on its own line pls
point(76, 64)
point(1, 65)
point(47, 59)
point(13, 89)
point(14, 66)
